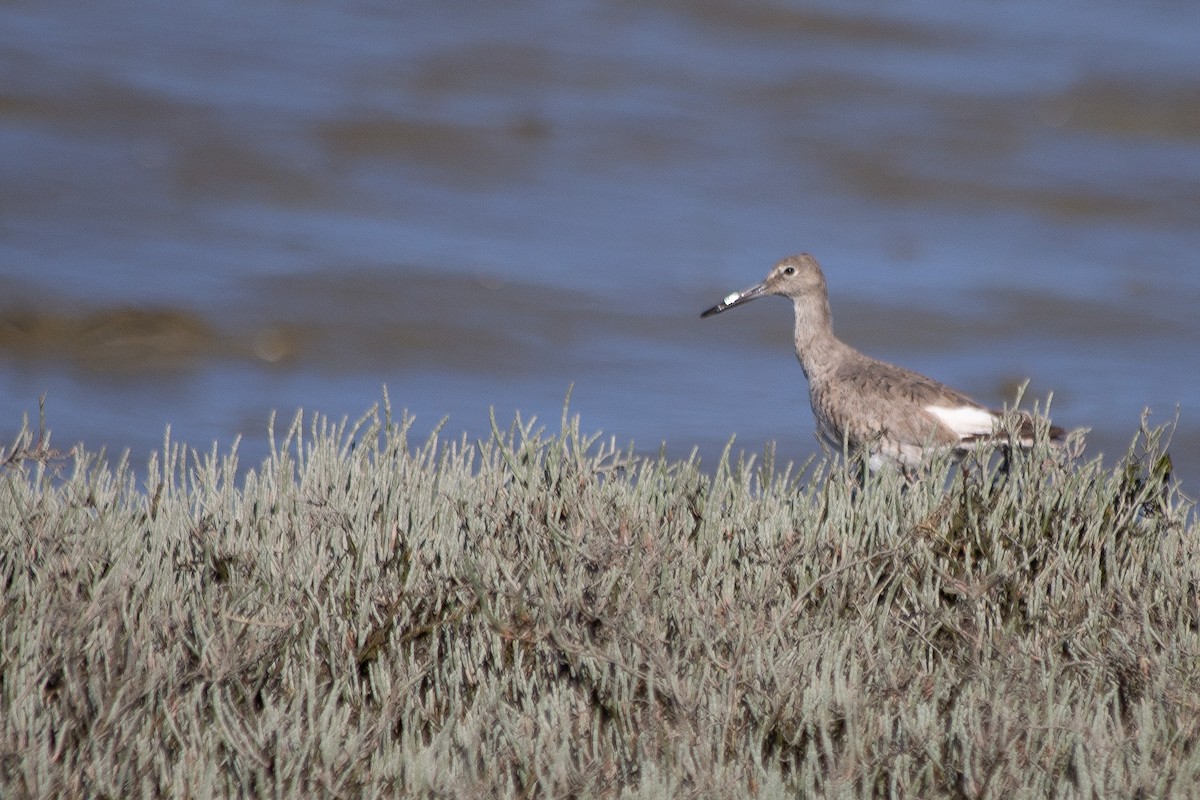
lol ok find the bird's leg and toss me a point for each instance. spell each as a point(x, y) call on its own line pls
point(1005, 466)
point(856, 476)
point(863, 473)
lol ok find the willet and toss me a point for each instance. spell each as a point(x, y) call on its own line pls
point(861, 402)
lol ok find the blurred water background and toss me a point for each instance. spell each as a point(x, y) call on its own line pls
point(213, 209)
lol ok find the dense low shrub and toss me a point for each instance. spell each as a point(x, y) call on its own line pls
point(551, 616)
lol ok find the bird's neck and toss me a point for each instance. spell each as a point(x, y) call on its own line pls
point(818, 349)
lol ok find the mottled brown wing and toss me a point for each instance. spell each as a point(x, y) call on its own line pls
point(871, 399)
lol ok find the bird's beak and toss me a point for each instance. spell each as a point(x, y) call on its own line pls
point(737, 298)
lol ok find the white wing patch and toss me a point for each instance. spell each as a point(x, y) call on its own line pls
point(966, 421)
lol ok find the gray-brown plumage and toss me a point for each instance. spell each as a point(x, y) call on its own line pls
point(862, 402)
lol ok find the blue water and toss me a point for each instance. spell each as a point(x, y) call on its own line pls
point(481, 206)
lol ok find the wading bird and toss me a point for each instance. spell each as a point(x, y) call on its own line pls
point(860, 402)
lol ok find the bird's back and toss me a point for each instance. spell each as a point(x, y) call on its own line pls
point(871, 403)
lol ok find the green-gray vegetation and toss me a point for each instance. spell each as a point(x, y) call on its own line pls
point(548, 615)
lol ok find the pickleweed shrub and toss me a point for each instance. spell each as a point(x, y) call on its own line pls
point(545, 614)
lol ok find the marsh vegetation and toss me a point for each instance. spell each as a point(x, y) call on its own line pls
point(545, 614)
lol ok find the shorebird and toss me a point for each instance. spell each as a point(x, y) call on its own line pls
point(859, 402)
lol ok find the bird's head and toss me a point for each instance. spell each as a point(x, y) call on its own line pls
point(794, 277)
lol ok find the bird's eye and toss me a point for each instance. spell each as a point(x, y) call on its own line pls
point(789, 270)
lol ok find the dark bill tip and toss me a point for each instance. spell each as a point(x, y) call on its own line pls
point(735, 299)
